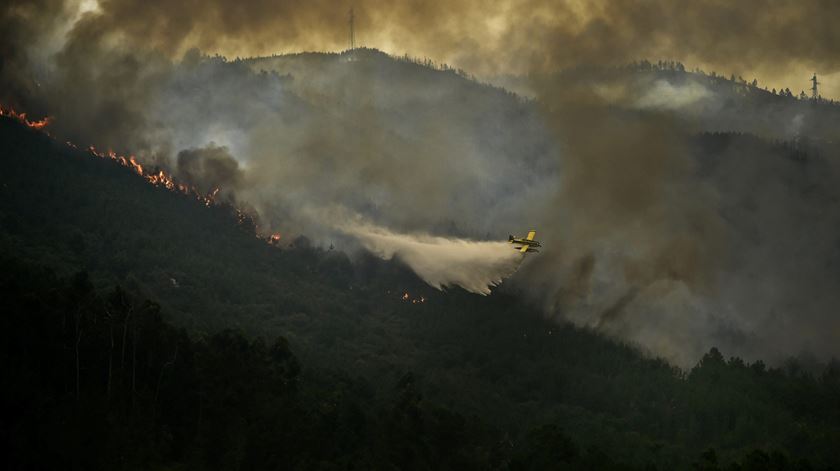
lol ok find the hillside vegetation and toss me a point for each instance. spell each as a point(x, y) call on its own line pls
point(147, 330)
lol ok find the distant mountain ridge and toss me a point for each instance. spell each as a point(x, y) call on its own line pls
point(731, 95)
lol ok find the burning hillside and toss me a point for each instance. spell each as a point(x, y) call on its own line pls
point(22, 118)
point(606, 168)
point(155, 176)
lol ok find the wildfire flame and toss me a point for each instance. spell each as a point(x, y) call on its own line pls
point(409, 299)
point(21, 118)
point(157, 177)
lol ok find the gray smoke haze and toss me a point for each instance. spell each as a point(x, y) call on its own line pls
point(632, 220)
point(651, 236)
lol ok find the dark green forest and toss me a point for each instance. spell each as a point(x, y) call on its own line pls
point(142, 329)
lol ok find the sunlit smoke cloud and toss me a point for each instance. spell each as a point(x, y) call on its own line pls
point(514, 37)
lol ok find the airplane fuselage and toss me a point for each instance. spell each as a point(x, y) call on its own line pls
point(525, 244)
point(518, 241)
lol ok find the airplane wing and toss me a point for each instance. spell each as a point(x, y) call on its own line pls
point(524, 249)
point(531, 235)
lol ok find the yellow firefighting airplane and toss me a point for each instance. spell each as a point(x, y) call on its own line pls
point(527, 244)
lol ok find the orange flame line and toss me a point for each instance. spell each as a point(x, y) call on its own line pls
point(21, 117)
point(158, 177)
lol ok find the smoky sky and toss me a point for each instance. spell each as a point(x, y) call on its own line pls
point(779, 42)
point(645, 237)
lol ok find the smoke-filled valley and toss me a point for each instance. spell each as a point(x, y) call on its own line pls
point(668, 200)
point(359, 205)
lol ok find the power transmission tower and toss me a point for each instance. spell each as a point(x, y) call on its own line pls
point(814, 91)
point(352, 30)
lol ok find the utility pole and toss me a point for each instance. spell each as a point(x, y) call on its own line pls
point(814, 91)
point(352, 30)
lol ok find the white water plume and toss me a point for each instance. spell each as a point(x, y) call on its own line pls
point(476, 266)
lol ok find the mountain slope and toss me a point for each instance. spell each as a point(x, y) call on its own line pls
point(491, 357)
point(636, 223)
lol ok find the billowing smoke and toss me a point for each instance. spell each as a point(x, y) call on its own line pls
point(778, 41)
point(650, 233)
point(209, 168)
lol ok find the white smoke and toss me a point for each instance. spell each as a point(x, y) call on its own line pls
point(664, 95)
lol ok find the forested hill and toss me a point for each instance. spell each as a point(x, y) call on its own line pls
point(714, 101)
point(402, 78)
point(130, 340)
